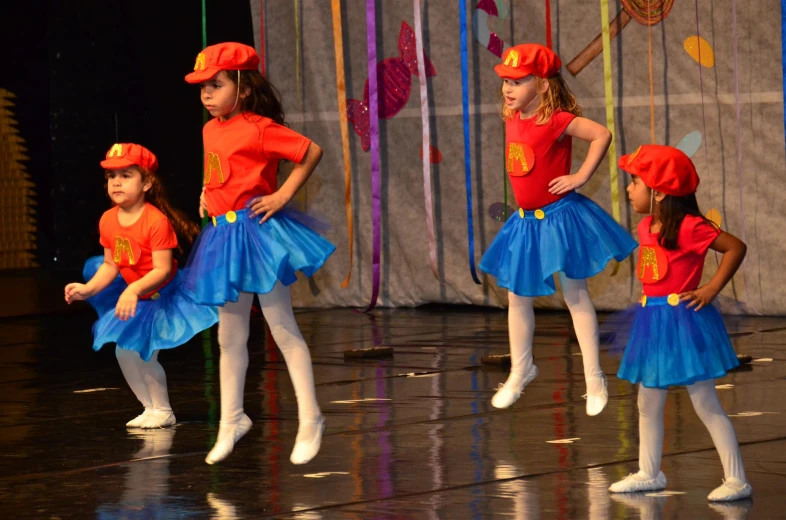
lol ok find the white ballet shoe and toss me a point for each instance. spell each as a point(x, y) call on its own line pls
point(137, 421)
point(731, 489)
point(306, 449)
point(510, 392)
point(158, 419)
point(636, 482)
point(597, 402)
point(228, 435)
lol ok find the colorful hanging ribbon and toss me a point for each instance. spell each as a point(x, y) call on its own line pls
point(703, 114)
point(783, 60)
point(303, 194)
point(739, 138)
point(465, 113)
point(609, 94)
point(298, 55)
point(341, 90)
point(548, 24)
point(376, 182)
point(424, 118)
point(262, 64)
point(652, 86)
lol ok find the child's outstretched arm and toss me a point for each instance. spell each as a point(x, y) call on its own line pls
point(104, 275)
point(599, 138)
point(270, 204)
point(733, 250)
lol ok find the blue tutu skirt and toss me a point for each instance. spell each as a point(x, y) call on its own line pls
point(673, 345)
point(166, 322)
point(236, 254)
point(573, 235)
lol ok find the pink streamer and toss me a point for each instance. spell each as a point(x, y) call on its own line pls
point(424, 117)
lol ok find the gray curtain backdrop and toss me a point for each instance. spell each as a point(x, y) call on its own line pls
point(681, 107)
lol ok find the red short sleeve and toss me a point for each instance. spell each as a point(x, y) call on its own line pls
point(280, 142)
point(162, 235)
point(697, 234)
point(104, 235)
point(559, 122)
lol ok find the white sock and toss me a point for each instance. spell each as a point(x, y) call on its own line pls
point(155, 379)
point(233, 323)
point(585, 322)
point(277, 309)
point(711, 413)
point(127, 359)
point(651, 404)
point(521, 329)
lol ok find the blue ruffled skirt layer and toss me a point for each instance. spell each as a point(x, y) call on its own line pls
point(167, 321)
point(673, 345)
point(237, 254)
point(573, 235)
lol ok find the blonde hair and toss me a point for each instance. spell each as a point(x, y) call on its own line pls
point(557, 97)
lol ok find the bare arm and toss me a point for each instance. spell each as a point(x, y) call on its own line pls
point(270, 204)
point(162, 268)
point(599, 138)
point(104, 275)
point(733, 250)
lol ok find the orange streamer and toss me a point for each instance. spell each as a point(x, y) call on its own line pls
point(341, 89)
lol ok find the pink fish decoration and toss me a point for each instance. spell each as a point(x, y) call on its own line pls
point(394, 80)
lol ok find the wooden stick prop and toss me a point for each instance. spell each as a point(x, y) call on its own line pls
point(646, 12)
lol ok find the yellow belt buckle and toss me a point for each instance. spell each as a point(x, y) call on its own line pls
point(231, 217)
point(155, 296)
point(539, 214)
point(673, 299)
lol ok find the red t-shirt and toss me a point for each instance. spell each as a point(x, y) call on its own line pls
point(132, 247)
point(241, 159)
point(534, 157)
point(664, 271)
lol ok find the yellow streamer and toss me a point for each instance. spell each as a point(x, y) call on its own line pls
point(615, 194)
point(615, 191)
point(341, 89)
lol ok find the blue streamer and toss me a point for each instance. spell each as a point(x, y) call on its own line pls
point(465, 109)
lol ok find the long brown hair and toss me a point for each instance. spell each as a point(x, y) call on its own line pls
point(559, 96)
point(672, 211)
point(263, 98)
point(185, 228)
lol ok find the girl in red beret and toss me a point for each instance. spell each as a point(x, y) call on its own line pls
point(678, 338)
point(254, 244)
point(556, 230)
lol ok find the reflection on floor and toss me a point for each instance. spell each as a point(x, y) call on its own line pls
point(412, 436)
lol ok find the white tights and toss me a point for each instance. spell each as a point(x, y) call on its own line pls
point(147, 379)
point(705, 402)
point(233, 327)
point(521, 328)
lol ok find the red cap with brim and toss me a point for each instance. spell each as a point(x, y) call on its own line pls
point(123, 155)
point(223, 56)
point(528, 58)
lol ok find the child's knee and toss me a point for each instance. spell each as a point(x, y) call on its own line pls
point(287, 336)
